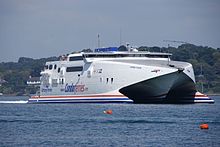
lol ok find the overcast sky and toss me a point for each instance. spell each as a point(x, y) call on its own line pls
point(44, 28)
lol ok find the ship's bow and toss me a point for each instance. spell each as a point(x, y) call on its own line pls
point(176, 87)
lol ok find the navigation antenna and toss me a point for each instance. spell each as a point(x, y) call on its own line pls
point(98, 41)
point(120, 36)
point(175, 41)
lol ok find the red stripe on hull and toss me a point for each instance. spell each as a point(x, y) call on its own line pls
point(73, 96)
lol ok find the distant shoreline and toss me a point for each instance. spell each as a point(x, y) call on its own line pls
point(8, 95)
point(217, 94)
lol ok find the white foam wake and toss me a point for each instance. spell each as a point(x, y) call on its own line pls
point(14, 102)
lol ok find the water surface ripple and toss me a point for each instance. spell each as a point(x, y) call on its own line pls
point(24, 124)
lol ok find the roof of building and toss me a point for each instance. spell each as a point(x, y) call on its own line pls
point(33, 79)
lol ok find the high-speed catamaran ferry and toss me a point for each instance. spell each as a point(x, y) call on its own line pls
point(111, 75)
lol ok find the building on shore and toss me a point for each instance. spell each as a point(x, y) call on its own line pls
point(33, 81)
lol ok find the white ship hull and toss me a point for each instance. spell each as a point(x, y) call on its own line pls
point(103, 78)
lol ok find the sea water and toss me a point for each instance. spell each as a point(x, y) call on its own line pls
point(23, 124)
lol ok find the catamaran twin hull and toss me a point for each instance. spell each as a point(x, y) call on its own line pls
point(159, 90)
point(171, 88)
point(116, 77)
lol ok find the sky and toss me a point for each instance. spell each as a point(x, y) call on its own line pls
point(45, 28)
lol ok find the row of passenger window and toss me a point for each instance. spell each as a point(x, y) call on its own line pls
point(125, 55)
point(68, 69)
point(76, 58)
point(74, 69)
point(50, 67)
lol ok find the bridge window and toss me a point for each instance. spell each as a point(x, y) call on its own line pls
point(74, 69)
point(76, 58)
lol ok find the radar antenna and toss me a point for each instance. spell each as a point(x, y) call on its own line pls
point(175, 41)
point(98, 41)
